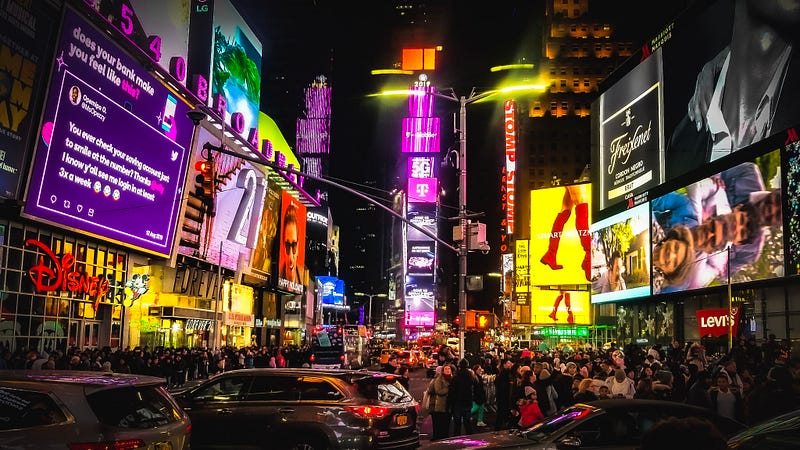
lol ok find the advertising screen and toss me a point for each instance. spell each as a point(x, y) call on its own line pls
point(236, 67)
point(421, 167)
point(421, 257)
point(420, 318)
point(112, 155)
point(422, 190)
point(560, 307)
point(522, 266)
point(792, 163)
point(424, 216)
point(630, 157)
point(328, 286)
point(26, 37)
point(291, 256)
point(621, 256)
point(560, 240)
point(420, 135)
point(240, 193)
point(261, 256)
point(420, 294)
point(733, 217)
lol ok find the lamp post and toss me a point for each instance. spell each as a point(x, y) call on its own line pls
point(371, 296)
point(463, 217)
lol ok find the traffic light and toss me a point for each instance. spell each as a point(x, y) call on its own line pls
point(205, 177)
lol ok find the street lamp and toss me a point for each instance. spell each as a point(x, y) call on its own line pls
point(371, 296)
point(463, 216)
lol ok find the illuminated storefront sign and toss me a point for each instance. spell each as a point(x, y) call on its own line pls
point(579, 332)
point(716, 321)
point(59, 274)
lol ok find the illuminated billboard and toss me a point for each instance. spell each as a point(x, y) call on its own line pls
point(421, 166)
point(239, 196)
point(25, 60)
point(421, 257)
point(522, 266)
point(332, 290)
point(630, 157)
point(420, 318)
point(732, 217)
point(419, 293)
point(420, 135)
point(292, 244)
point(510, 168)
point(261, 255)
point(621, 256)
point(424, 216)
point(235, 69)
point(112, 154)
point(560, 307)
point(792, 156)
point(422, 190)
point(560, 244)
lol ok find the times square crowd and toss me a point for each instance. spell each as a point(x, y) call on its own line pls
point(514, 386)
point(749, 384)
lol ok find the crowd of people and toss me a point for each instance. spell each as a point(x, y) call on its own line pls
point(175, 365)
point(749, 384)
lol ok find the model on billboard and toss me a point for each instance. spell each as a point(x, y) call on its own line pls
point(290, 271)
point(563, 295)
point(611, 280)
point(746, 91)
point(673, 256)
point(575, 196)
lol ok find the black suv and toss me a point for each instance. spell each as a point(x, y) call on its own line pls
point(290, 408)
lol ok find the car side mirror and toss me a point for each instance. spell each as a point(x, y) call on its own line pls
point(569, 443)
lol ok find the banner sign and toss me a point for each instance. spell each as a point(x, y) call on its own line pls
point(715, 321)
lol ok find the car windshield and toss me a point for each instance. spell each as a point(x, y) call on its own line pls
point(383, 388)
point(552, 424)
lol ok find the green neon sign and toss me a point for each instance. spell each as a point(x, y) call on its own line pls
point(581, 332)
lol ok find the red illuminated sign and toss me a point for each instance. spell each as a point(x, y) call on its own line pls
point(58, 274)
point(509, 127)
point(715, 321)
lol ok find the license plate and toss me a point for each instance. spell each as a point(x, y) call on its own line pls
point(401, 419)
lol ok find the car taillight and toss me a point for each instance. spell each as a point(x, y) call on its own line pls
point(108, 445)
point(369, 412)
point(312, 358)
point(341, 357)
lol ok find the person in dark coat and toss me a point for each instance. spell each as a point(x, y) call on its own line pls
point(698, 393)
point(504, 383)
point(479, 395)
point(460, 398)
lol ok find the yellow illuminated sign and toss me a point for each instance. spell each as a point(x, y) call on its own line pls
point(560, 307)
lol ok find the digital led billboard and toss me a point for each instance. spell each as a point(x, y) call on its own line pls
point(421, 166)
point(419, 293)
point(240, 193)
point(630, 157)
point(112, 156)
point(332, 290)
point(261, 256)
point(733, 217)
point(420, 318)
point(291, 256)
point(560, 241)
point(424, 216)
point(422, 190)
point(621, 256)
point(420, 135)
point(421, 257)
point(560, 307)
point(792, 163)
point(26, 38)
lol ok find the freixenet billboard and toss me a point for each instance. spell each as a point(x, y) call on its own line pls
point(560, 239)
point(621, 256)
point(732, 217)
point(729, 79)
point(112, 154)
point(630, 157)
point(420, 135)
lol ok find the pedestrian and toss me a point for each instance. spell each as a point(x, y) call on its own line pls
point(503, 385)
point(546, 393)
point(461, 397)
point(620, 385)
point(479, 395)
point(725, 400)
point(438, 390)
point(585, 393)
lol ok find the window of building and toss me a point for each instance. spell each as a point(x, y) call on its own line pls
point(576, 82)
point(573, 28)
point(586, 82)
point(564, 106)
point(563, 83)
point(553, 106)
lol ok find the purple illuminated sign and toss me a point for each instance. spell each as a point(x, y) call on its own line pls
point(420, 318)
point(422, 190)
point(420, 135)
point(111, 159)
point(421, 166)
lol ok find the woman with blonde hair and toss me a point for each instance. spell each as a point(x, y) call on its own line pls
point(585, 393)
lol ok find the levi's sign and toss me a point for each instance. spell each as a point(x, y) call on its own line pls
point(716, 321)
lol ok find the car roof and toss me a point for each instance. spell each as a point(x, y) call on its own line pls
point(77, 377)
point(626, 403)
point(302, 371)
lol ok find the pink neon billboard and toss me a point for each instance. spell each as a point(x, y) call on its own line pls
point(420, 135)
point(420, 318)
point(421, 166)
point(422, 190)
